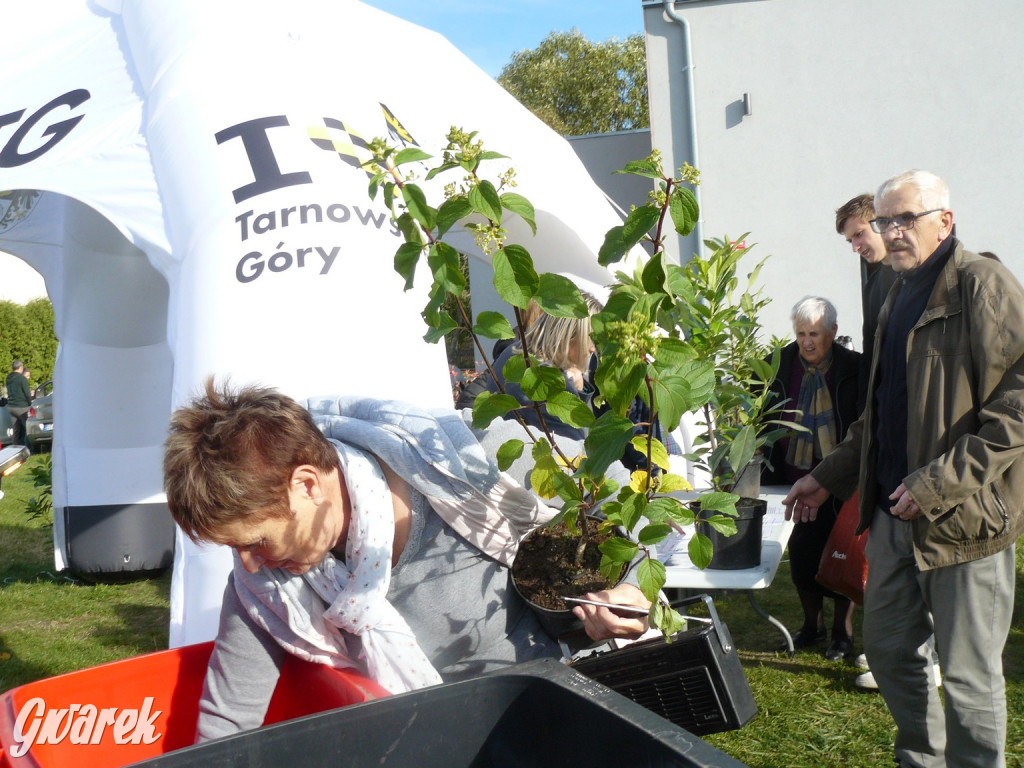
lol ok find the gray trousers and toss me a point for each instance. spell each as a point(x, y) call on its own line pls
point(970, 606)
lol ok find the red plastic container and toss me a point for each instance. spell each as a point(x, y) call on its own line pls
point(174, 679)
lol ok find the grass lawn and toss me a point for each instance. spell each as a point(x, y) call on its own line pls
point(50, 624)
point(809, 714)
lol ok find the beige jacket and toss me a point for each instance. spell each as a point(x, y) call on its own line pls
point(965, 425)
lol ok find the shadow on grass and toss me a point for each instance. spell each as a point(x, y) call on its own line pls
point(15, 671)
point(25, 552)
point(140, 626)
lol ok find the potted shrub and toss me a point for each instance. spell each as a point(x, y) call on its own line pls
point(640, 335)
point(741, 420)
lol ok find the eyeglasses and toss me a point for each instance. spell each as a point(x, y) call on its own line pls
point(903, 221)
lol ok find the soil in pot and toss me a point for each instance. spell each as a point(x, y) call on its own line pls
point(545, 567)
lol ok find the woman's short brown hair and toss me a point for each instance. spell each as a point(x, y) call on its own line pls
point(230, 454)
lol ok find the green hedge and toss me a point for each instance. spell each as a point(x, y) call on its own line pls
point(27, 334)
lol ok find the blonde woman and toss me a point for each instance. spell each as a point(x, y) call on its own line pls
point(562, 342)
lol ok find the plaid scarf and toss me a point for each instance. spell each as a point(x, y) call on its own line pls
point(816, 441)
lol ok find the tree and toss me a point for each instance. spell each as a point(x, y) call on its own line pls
point(577, 86)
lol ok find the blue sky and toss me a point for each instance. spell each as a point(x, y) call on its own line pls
point(490, 31)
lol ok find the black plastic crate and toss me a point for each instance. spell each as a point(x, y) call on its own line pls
point(696, 681)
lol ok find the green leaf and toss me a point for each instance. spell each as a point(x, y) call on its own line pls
point(612, 512)
point(639, 223)
point(659, 453)
point(719, 501)
point(724, 524)
point(684, 210)
point(743, 448)
point(375, 185)
point(416, 202)
point(565, 486)
point(605, 442)
point(451, 212)
point(520, 206)
point(485, 201)
point(489, 406)
point(410, 229)
point(661, 508)
point(666, 620)
point(675, 352)
point(514, 368)
point(634, 506)
point(653, 275)
point(650, 577)
point(673, 397)
point(409, 155)
point(700, 550)
point(558, 296)
point(619, 549)
point(493, 325)
point(651, 534)
point(509, 451)
point(389, 195)
point(443, 261)
point(541, 382)
point(406, 258)
point(542, 481)
point(611, 569)
point(642, 168)
point(515, 279)
point(613, 248)
point(440, 169)
point(606, 488)
point(440, 324)
point(762, 369)
point(546, 474)
point(570, 409)
point(620, 381)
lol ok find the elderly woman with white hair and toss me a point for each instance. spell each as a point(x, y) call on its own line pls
point(821, 382)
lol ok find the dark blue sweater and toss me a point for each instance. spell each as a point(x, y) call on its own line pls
point(891, 393)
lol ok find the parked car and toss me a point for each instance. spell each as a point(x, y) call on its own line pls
point(6, 427)
point(40, 417)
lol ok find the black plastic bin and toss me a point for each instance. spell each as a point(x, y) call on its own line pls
point(537, 714)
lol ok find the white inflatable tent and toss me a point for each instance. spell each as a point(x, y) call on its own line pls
point(185, 177)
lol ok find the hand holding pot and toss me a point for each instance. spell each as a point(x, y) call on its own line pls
point(605, 623)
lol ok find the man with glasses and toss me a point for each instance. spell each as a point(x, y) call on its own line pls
point(853, 222)
point(938, 457)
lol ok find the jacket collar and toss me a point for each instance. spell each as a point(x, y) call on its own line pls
point(945, 296)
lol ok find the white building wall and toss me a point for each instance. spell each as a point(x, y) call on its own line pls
point(843, 94)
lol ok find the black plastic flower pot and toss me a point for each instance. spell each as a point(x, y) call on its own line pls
point(743, 548)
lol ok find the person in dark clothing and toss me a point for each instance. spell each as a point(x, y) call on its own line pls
point(853, 221)
point(821, 382)
point(876, 276)
point(938, 460)
point(19, 399)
